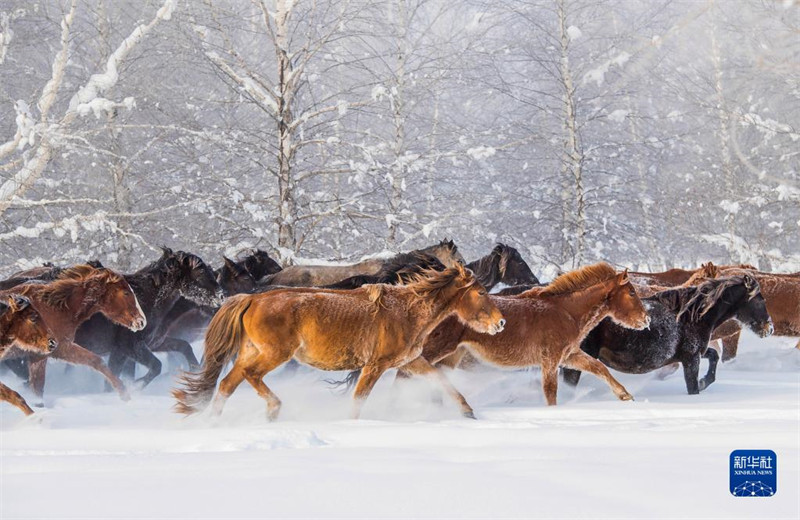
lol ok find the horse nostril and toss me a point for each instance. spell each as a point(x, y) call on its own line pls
point(52, 344)
point(502, 322)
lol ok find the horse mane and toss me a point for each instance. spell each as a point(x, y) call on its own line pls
point(696, 302)
point(401, 267)
point(429, 284)
point(81, 272)
point(579, 279)
point(55, 294)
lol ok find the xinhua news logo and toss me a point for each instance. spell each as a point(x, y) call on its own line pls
point(754, 473)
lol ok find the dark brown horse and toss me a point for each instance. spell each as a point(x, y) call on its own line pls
point(546, 326)
point(259, 264)
point(319, 275)
point(503, 265)
point(46, 273)
point(373, 328)
point(66, 303)
point(22, 326)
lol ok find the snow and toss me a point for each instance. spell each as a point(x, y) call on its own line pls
point(574, 33)
point(619, 115)
point(663, 455)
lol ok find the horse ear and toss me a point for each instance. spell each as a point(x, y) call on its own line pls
point(230, 264)
point(622, 278)
point(166, 252)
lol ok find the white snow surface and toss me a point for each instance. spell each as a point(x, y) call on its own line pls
point(89, 455)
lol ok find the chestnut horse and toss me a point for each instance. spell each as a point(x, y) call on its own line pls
point(66, 303)
point(21, 325)
point(546, 326)
point(372, 328)
point(319, 275)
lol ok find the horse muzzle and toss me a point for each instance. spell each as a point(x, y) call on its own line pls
point(498, 327)
point(768, 330)
point(138, 324)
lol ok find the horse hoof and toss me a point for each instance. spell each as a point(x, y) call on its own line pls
point(38, 404)
point(469, 415)
point(626, 397)
point(125, 396)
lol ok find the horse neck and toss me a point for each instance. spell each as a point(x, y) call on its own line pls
point(81, 307)
point(719, 312)
point(589, 306)
point(486, 270)
point(426, 317)
point(151, 295)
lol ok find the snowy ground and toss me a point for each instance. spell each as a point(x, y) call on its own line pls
point(88, 455)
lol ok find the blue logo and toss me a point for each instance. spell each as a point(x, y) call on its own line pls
point(754, 473)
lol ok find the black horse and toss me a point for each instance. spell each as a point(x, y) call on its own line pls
point(186, 320)
point(259, 264)
point(681, 323)
point(157, 287)
point(503, 265)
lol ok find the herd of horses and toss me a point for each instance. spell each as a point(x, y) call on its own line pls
point(417, 312)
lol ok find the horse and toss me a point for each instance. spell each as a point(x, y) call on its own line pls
point(706, 272)
point(186, 320)
point(503, 265)
point(673, 277)
point(372, 328)
point(546, 325)
point(158, 287)
point(259, 264)
point(66, 303)
point(682, 321)
point(319, 275)
point(398, 270)
point(46, 273)
point(782, 294)
point(21, 325)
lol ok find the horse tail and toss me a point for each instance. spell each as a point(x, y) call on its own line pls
point(348, 382)
point(223, 339)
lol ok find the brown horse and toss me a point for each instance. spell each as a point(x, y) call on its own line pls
point(66, 303)
point(707, 271)
point(782, 294)
point(674, 277)
point(21, 325)
point(372, 328)
point(546, 326)
point(319, 275)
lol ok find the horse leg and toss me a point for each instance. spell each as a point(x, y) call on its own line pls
point(77, 355)
point(571, 376)
point(550, 383)
point(182, 347)
point(713, 359)
point(691, 371)
point(144, 356)
point(37, 370)
point(583, 361)
point(255, 376)
point(730, 345)
point(667, 370)
point(452, 360)
point(420, 366)
point(10, 396)
point(227, 386)
point(369, 376)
